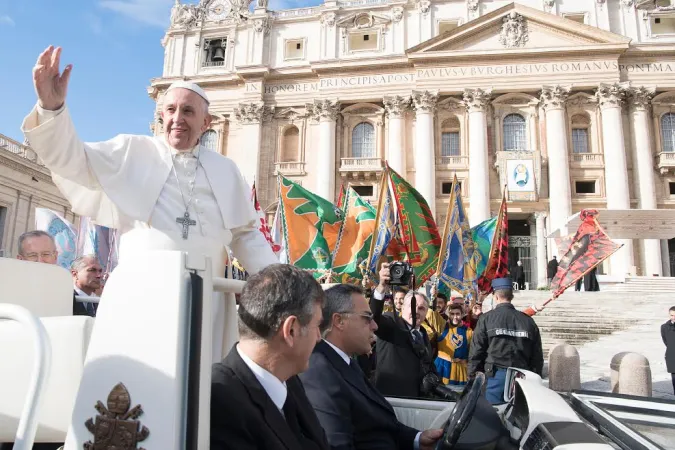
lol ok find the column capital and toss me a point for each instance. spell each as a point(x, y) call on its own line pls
point(324, 110)
point(255, 112)
point(640, 98)
point(396, 105)
point(425, 101)
point(539, 216)
point(476, 99)
point(554, 97)
point(611, 95)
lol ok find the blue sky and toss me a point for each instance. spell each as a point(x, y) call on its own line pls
point(115, 49)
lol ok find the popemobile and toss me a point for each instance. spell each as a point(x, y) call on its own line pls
point(138, 376)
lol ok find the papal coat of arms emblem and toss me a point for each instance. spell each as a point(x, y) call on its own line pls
point(115, 427)
point(514, 31)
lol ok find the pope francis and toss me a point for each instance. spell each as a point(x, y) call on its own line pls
point(195, 196)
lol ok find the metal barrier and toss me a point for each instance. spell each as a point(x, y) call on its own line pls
point(25, 434)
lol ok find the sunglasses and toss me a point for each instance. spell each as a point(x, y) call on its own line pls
point(365, 315)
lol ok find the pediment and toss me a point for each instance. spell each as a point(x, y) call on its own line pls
point(519, 28)
point(290, 113)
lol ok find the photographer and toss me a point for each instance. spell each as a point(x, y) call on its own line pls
point(403, 349)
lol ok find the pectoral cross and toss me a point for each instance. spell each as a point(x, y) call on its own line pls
point(186, 222)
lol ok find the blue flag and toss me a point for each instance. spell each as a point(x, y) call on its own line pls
point(385, 226)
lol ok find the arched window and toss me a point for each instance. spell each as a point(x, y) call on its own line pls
point(290, 144)
point(363, 141)
point(210, 140)
point(668, 132)
point(580, 126)
point(450, 145)
point(515, 133)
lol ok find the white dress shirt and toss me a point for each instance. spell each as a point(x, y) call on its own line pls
point(275, 388)
point(342, 354)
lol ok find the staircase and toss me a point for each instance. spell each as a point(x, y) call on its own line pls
point(577, 318)
point(644, 284)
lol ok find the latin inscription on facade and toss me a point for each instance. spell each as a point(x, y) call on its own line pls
point(458, 72)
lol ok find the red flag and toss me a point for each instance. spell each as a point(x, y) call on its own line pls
point(498, 262)
point(341, 198)
point(590, 246)
point(264, 228)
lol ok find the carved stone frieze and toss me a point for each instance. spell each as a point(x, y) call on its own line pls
point(328, 19)
point(397, 14)
point(640, 98)
point(362, 20)
point(254, 112)
point(323, 110)
point(514, 31)
point(396, 105)
point(189, 15)
point(554, 97)
point(425, 101)
point(476, 99)
point(611, 95)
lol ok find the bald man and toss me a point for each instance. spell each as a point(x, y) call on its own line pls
point(195, 196)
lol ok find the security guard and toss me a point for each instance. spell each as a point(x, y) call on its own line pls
point(503, 338)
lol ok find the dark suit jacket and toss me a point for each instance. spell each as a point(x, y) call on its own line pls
point(353, 413)
point(400, 366)
point(243, 416)
point(79, 309)
point(668, 336)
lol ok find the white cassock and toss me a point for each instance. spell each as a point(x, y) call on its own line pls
point(129, 182)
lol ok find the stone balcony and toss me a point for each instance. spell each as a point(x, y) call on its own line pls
point(289, 168)
point(360, 167)
point(18, 149)
point(587, 160)
point(452, 162)
point(666, 162)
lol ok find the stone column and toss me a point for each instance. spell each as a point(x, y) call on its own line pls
point(665, 258)
point(326, 111)
point(396, 107)
point(560, 196)
point(611, 97)
point(540, 223)
point(643, 171)
point(476, 102)
point(250, 116)
point(425, 161)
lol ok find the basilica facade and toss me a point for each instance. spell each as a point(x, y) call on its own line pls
point(568, 105)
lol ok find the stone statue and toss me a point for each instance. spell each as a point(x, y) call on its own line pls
point(186, 15)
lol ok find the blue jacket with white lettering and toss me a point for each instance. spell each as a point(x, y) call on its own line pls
point(503, 338)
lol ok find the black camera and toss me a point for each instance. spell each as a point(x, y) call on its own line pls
point(400, 274)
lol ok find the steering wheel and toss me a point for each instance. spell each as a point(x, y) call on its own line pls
point(461, 415)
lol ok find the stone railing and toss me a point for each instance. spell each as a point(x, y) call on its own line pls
point(21, 150)
point(298, 12)
point(587, 159)
point(289, 168)
point(666, 162)
point(360, 164)
point(452, 161)
point(350, 3)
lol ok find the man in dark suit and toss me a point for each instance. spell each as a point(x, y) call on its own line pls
point(257, 400)
point(404, 354)
point(87, 277)
point(352, 412)
point(668, 336)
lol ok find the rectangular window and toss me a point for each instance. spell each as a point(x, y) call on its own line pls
point(364, 191)
point(663, 24)
point(671, 187)
point(450, 143)
point(580, 140)
point(367, 41)
point(577, 17)
point(584, 187)
point(214, 52)
point(446, 187)
point(294, 49)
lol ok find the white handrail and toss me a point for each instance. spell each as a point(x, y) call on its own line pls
point(25, 434)
point(228, 285)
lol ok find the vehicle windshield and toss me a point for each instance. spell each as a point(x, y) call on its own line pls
point(629, 421)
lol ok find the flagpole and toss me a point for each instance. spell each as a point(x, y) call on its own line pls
point(444, 238)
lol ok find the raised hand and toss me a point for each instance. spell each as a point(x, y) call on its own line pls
point(51, 86)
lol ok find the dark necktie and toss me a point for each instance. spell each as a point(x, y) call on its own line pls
point(417, 336)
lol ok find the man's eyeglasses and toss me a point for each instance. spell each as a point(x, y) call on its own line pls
point(366, 315)
point(35, 256)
